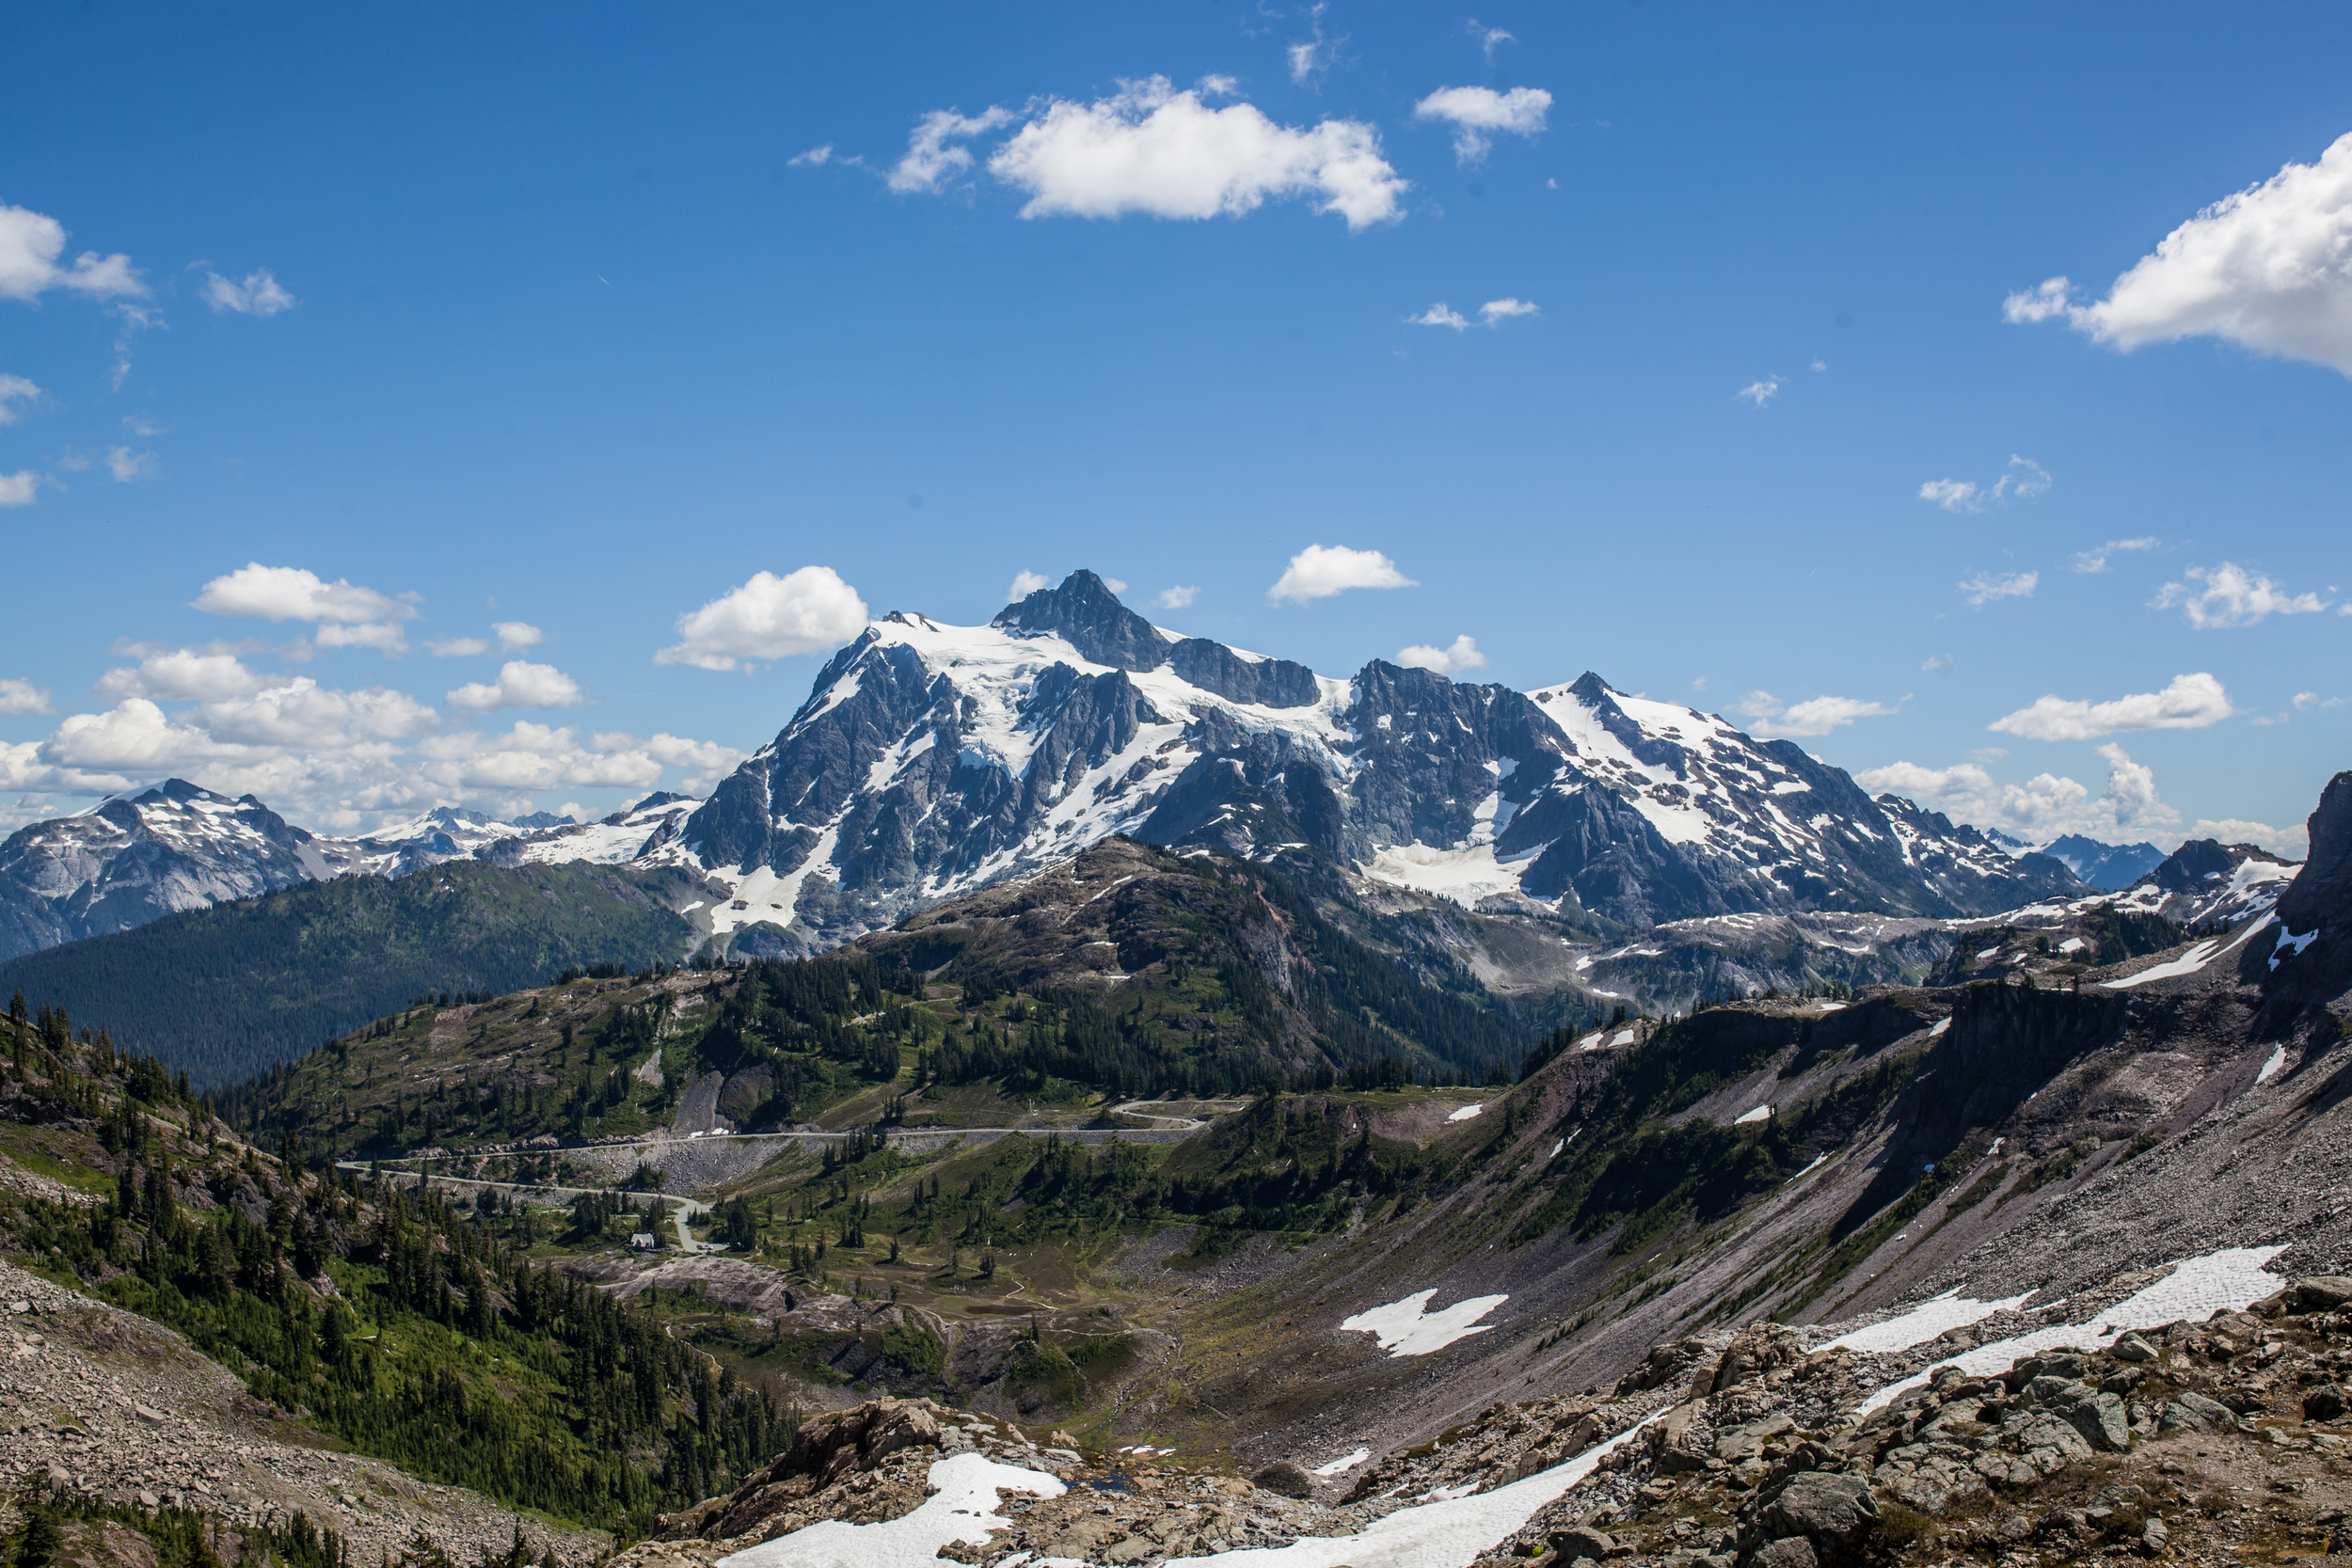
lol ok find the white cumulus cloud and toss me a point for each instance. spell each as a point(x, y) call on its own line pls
point(816, 157)
point(1769, 716)
point(2228, 595)
point(17, 489)
point(20, 696)
point(516, 634)
point(770, 617)
point(30, 243)
point(1462, 654)
point(1154, 150)
point(1179, 597)
point(260, 295)
point(203, 674)
point(2268, 267)
point(520, 684)
point(1320, 571)
point(1478, 115)
point(292, 593)
point(2190, 703)
point(2040, 809)
point(1440, 315)
point(1985, 587)
point(1023, 584)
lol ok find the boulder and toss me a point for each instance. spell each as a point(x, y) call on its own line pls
point(2200, 1414)
point(2134, 1349)
point(1761, 1349)
point(2100, 1418)
point(1663, 1365)
point(1739, 1443)
point(1285, 1480)
point(1832, 1508)
point(826, 1449)
point(1583, 1540)
point(1793, 1551)
point(2326, 1402)
point(2323, 1292)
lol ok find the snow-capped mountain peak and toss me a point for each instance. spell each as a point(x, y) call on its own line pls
point(932, 759)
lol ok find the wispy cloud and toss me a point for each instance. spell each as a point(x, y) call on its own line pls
point(1985, 587)
point(1490, 39)
point(1478, 115)
point(1311, 57)
point(2228, 595)
point(2025, 480)
point(260, 295)
point(127, 465)
point(14, 389)
point(1493, 313)
point(2096, 560)
point(1176, 598)
point(1760, 392)
point(1815, 716)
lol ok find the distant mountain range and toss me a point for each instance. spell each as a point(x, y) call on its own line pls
point(930, 760)
point(2108, 866)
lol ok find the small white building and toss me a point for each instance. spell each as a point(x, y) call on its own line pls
point(645, 1240)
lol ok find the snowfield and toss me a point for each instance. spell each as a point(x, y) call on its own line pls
point(1407, 1327)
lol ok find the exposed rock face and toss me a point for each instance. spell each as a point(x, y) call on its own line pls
point(2323, 889)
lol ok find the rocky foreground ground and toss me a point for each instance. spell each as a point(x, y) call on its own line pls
point(2215, 1441)
point(97, 1400)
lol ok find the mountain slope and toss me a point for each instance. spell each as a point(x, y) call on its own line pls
point(933, 759)
point(137, 858)
point(224, 992)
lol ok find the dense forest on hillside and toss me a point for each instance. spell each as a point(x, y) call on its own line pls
point(223, 993)
point(440, 1346)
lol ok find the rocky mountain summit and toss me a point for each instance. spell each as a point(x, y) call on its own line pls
point(930, 759)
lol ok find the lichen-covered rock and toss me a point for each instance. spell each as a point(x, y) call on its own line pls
point(2200, 1414)
point(1827, 1507)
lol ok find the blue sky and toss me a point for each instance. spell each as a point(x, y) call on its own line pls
point(551, 318)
